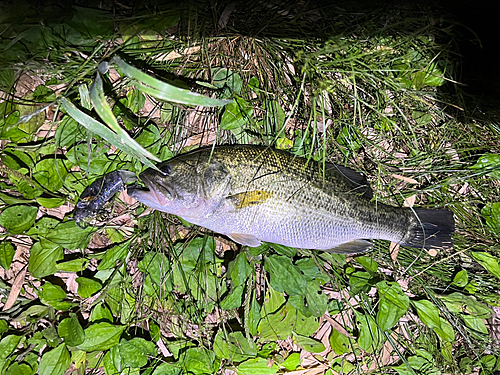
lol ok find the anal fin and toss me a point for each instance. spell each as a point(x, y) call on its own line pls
point(352, 247)
point(245, 239)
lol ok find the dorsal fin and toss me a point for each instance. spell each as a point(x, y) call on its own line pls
point(356, 180)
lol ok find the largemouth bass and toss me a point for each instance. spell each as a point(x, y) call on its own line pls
point(253, 194)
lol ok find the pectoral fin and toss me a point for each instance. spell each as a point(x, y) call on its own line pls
point(249, 198)
point(352, 247)
point(245, 239)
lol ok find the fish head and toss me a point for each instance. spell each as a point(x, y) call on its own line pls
point(182, 187)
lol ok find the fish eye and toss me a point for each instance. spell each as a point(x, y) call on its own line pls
point(166, 169)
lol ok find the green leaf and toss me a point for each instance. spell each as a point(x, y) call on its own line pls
point(236, 114)
point(445, 331)
point(233, 299)
point(117, 252)
point(239, 269)
point(50, 202)
point(74, 265)
point(167, 369)
point(68, 132)
point(4, 326)
point(359, 281)
point(488, 261)
point(309, 268)
point(165, 91)
point(156, 267)
point(55, 362)
point(43, 94)
point(428, 313)
point(340, 343)
point(7, 346)
point(291, 362)
point(316, 300)
point(17, 219)
point(393, 304)
point(490, 162)
point(50, 173)
point(368, 263)
point(475, 323)
point(491, 214)
point(223, 77)
point(461, 279)
point(68, 235)
point(7, 252)
point(257, 366)
point(19, 369)
point(43, 258)
point(370, 337)
point(100, 312)
point(284, 276)
point(135, 352)
point(280, 324)
point(254, 316)
point(309, 344)
point(284, 250)
point(272, 302)
point(71, 330)
point(131, 148)
point(87, 287)
point(50, 292)
point(236, 348)
point(199, 361)
point(101, 336)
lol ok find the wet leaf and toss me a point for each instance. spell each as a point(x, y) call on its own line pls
point(491, 214)
point(488, 261)
point(461, 279)
point(7, 346)
point(101, 336)
point(236, 115)
point(490, 162)
point(135, 352)
point(17, 219)
point(55, 362)
point(71, 330)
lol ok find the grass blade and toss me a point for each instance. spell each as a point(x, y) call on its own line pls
point(101, 130)
point(165, 91)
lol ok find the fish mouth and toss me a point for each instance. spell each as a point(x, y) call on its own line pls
point(155, 194)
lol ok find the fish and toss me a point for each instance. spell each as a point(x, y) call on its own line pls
point(96, 195)
point(254, 194)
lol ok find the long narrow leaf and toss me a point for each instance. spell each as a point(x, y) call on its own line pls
point(101, 130)
point(165, 91)
point(104, 111)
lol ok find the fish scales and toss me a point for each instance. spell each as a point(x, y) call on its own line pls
point(255, 193)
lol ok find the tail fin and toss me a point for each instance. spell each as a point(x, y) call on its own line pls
point(432, 229)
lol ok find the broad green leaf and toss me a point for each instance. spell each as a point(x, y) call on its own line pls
point(461, 279)
point(368, 263)
point(43, 258)
point(253, 316)
point(117, 252)
point(309, 268)
point(284, 275)
point(284, 250)
point(223, 77)
point(135, 100)
point(101, 130)
point(316, 299)
point(419, 365)
point(340, 343)
point(490, 162)
point(7, 346)
point(43, 94)
point(279, 325)
point(17, 219)
point(393, 304)
point(234, 299)
point(291, 362)
point(55, 362)
point(4, 326)
point(428, 313)
point(236, 347)
point(75, 265)
point(488, 261)
point(50, 202)
point(135, 352)
point(156, 267)
point(491, 214)
point(19, 369)
point(71, 330)
point(273, 301)
point(69, 132)
point(164, 91)
point(101, 336)
point(257, 366)
point(33, 313)
point(309, 344)
point(43, 226)
point(50, 292)
point(7, 252)
point(100, 312)
point(200, 361)
point(167, 369)
point(236, 114)
point(87, 287)
point(370, 337)
point(68, 235)
point(359, 281)
point(475, 323)
point(91, 159)
point(150, 138)
point(239, 269)
point(10, 200)
point(445, 331)
point(50, 173)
